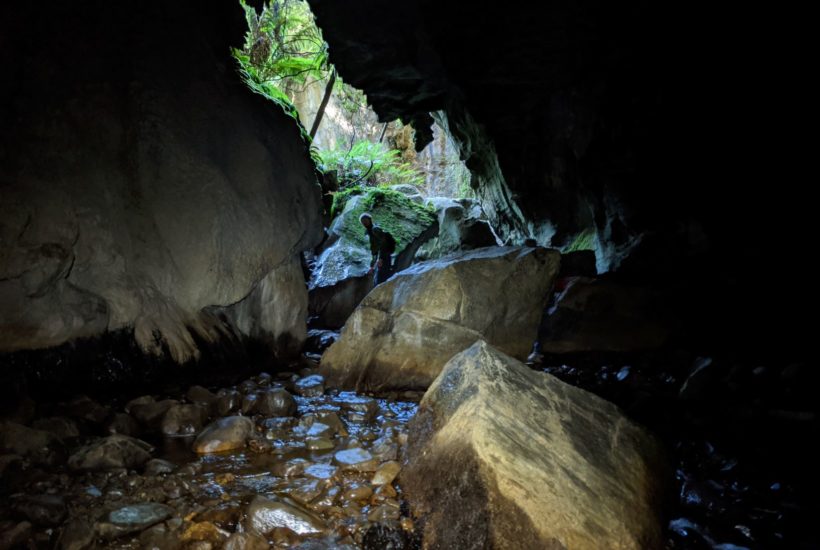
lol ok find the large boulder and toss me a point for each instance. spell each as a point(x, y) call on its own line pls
point(406, 329)
point(461, 226)
point(593, 315)
point(148, 184)
point(501, 456)
point(111, 453)
point(339, 278)
point(276, 310)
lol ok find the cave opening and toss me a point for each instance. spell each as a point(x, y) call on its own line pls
point(589, 337)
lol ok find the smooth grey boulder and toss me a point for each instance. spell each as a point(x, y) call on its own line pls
point(406, 329)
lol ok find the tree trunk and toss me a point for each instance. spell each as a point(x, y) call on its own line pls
point(320, 113)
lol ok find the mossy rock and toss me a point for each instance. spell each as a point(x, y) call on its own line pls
point(392, 210)
point(349, 255)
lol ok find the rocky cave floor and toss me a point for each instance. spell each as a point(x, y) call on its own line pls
point(324, 462)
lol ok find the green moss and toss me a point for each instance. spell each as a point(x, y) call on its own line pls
point(584, 241)
point(391, 210)
point(340, 199)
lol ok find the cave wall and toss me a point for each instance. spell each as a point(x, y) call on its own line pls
point(665, 129)
point(557, 107)
point(141, 181)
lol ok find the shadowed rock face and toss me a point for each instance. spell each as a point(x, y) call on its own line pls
point(406, 329)
point(620, 117)
point(141, 181)
point(501, 456)
point(554, 105)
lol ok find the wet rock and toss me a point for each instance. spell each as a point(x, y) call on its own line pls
point(201, 396)
point(406, 329)
point(16, 535)
point(46, 510)
point(704, 496)
point(279, 427)
point(275, 402)
point(110, 453)
point(310, 386)
point(249, 403)
point(384, 513)
point(357, 492)
point(224, 435)
point(228, 402)
point(329, 498)
point(356, 459)
point(384, 492)
point(319, 443)
point(304, 491)
point(63, 428)
point(85, 408)
point(132, 519)
point(490, 429)
point(320, 340)
point(162, 536)
point(687, 534)
point(386, 473)
point(142, 400)
point(322, 471)
point(385, 449)
point(381, 537)
point(703, 380)
point(246, 541)
point(77, 534)
point(183, 420)
point(319, 429)
point(332, 419)
point(248, 386)
point(263, 516)
point(460, 227)
point(204, 531)
point(360, 409)
point(11, 468)
point(225, 516)
point(292, 468)
point(150, 414)
point(123, 424)
point(158, 466)
point(39, 446)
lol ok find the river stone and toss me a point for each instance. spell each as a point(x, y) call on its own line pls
point(275, 402)
point(62, 427)
point(47, 510)
point(536, 462)
point(310, 386)
point(246, 541)
point(201, 396)
point(386, 473)
point(40, 446)
point(224, 434)
point(133, 518)
point(110, 453)
point(407, 328)
point(123, 424)
point(263, 516)
point(183, 420)
point(356, 459)
point(158, 466)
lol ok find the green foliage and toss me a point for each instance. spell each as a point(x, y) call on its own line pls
point(369, 164)
point(391, 210)
point(585, 240)
point(283, 47)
